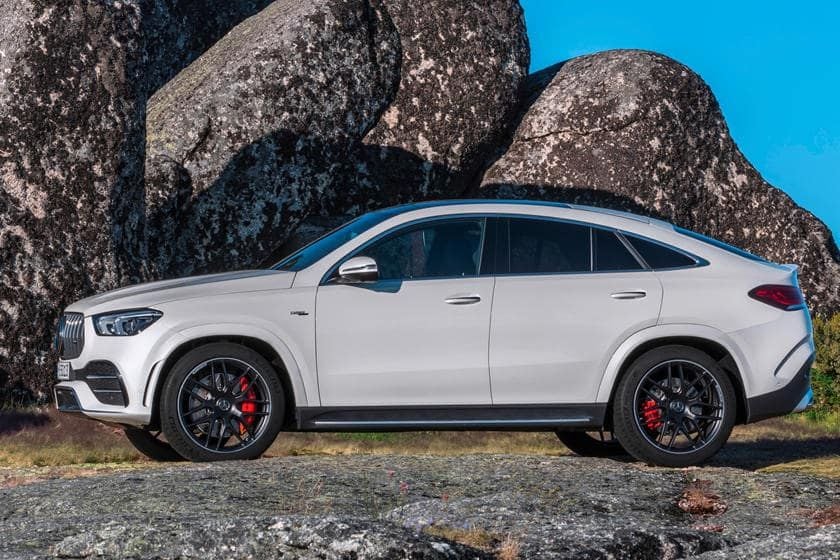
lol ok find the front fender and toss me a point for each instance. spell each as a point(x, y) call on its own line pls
point(302, 384)
point(619, 357)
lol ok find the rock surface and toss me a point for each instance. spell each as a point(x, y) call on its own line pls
point(638, 131)
point(74, 79)
point(462, 66)
point(416, 507)
point(242, 143)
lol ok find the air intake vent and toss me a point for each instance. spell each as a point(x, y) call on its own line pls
point(71, 335)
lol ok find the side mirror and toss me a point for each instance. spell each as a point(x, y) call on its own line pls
point(358, 269)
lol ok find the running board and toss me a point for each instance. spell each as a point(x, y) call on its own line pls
point(538, 417)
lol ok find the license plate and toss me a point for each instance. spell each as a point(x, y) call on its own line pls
point(63, 371)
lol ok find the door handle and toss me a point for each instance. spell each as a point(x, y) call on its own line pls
point(462, 300)
point(633, 294)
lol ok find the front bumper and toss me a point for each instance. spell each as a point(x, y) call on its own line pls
point(796, 396)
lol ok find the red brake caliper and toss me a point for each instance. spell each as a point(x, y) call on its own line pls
point(248, 407)
point(651, 414)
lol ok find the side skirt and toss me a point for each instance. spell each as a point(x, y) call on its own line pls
point(537, 417)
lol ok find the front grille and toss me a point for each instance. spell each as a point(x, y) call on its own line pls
point(71, 335)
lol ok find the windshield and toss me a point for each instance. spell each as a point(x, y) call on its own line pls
point(325, 245)
point(719, 244)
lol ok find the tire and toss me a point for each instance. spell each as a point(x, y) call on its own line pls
point(586, 444)
point(674, 407)
point(222, 402)
point(150, 445)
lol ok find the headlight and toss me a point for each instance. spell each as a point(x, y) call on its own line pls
point(125, 323)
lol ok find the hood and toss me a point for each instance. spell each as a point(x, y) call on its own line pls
point(156, 293)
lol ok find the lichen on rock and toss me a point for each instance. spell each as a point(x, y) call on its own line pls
point(243, 142)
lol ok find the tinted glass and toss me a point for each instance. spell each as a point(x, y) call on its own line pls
point(439, 249)
point(325, 245)
point(719, 244)
point(545, 246)
point(611, 254)
point(659, 256)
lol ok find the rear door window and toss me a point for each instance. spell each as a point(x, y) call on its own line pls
point(548, 246)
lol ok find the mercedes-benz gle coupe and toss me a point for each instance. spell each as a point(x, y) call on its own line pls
point(617, 332)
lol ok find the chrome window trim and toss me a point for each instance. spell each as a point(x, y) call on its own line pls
point(699, 261)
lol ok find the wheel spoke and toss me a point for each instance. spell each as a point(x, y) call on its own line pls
point(197, 383)
point(200, 421)
point(221, 435)
point(673, 437)
point(651, 395)
point(195, 409)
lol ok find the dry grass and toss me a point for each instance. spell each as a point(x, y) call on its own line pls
point(503, 547)
point(45, 438)
point(417, 443)
point(825, 466)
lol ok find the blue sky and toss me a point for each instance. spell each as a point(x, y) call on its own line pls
point(774, 67)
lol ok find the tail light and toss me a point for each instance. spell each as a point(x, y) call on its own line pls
point(782, 296)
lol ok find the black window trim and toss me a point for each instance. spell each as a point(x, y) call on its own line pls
point(698, 261)
point(327, 279)
point(506, 233)
point(501, 240)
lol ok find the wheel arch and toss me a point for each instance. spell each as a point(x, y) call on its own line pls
point(286, 368)
point(728, 359)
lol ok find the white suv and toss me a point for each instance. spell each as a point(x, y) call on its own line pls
point(453, 315)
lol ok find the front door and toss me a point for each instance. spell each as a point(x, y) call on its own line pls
point(418, 335)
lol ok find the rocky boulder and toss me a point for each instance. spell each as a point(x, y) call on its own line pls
point(462, 66)
point(243, 142)
point(74, 79)
point(638, 131)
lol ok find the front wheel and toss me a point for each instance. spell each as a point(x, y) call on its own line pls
point(674, 407)
point(221, 402)
point(592, 444)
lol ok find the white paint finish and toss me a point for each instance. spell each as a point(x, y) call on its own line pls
point(404, 347)
point(556, 338)
point(550, 333)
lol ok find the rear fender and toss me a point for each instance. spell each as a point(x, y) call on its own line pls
point(617, 361)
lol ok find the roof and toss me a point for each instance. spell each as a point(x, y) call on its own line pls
point(520, 202)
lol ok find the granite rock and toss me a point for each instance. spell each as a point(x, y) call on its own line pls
point(242, 143)
point(638, 131)
point(74, 79)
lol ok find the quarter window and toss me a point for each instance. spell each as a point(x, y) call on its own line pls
point(545, 246)
point(658, 256)
point(437, 249)
point(610, 253)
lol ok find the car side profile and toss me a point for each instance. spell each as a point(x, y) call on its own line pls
point(453, 315)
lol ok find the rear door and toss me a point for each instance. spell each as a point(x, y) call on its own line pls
point(566, 296)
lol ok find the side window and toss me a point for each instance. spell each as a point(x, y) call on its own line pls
point(437, 249)
point(611, 254)
point(545, 246)
point(659, 256)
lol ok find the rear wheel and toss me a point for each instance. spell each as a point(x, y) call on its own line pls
point(675, 407)
point(151, 445)
point(221, 402)
point(592, 444)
